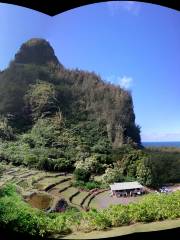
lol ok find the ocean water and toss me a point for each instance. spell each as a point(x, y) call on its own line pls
point(161, 144)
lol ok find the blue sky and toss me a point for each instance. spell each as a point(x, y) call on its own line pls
point(135, 45)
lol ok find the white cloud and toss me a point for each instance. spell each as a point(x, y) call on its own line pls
point(160, 137)
point(111, 79)
point(115, 7)
point(124, 82)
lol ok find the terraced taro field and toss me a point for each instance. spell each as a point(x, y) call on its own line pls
point(47, 188)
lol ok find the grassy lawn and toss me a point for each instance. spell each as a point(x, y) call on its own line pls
point(59, 187)
point(29, 174)
point(21, 172)
point(85, 204)
point(6, 178)
point(119, 231)
point(25, 184)
point(63, 185)
point(16, 174)
point(68, 192)
point(78, 199)
point(49, 180)
point(10, 170)
point(38, 175)
point(42, 184)
point(95, 202)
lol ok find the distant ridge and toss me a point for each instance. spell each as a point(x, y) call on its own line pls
point(162, 144)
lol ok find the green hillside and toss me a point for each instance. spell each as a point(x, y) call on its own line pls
point(56, 119)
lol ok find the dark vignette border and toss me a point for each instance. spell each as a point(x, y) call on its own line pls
point(54, 7)
point(172, 234)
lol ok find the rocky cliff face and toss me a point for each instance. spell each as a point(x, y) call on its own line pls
point(36, 51)
point(77, 94)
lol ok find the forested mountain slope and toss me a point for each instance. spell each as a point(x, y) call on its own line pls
point(57, 119)
point(37, 85)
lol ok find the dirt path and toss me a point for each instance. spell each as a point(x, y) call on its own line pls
point(103, 200)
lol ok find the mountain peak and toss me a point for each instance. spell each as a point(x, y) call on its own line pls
point(36, 51)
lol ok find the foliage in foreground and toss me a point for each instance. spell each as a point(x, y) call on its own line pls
point(151, 208)
point(17, 215)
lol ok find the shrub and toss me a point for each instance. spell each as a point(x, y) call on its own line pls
point(6, 131)
point(112, 175)
point(87, 185)
point(102, 146)
point(62, 164)
point(118, 215)
point(30, 159)
point(94, 220)
point(92, 185)
point(82, 175)
point(8, 190)
point(151, 208)
point(41, 97)
point(45, 163)
point(79, 184)
point(1, 169)
point(91, 164)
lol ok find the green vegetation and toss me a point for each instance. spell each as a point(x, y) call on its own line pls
point(54, 147)
point(1, 169)
point(17, 215)
point(164, 164)
point(41, 98)
point(89, 185)
point(6, 131)
point(151, 208)
point(82, 175)
point(79, 197)
point(55, 119)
